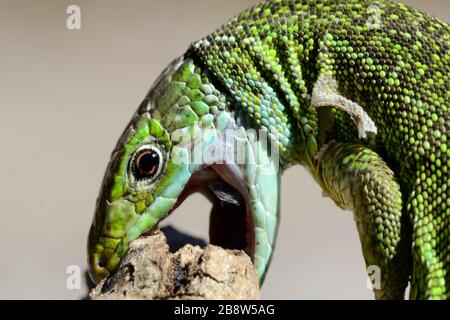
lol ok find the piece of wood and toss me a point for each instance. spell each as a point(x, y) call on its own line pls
point(149, 271)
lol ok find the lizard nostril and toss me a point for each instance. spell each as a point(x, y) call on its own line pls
point(102, 261)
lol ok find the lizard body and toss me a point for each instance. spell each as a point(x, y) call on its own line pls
point(356, 91)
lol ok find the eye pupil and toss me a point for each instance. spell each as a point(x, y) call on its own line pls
point(147, 164)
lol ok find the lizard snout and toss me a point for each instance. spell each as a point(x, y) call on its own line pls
point(101, 255)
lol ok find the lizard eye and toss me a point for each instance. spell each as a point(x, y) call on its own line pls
point(147, 163)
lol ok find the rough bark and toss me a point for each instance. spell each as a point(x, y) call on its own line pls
point(150, 271)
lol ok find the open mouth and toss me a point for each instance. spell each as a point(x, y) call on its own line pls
point(231, 221)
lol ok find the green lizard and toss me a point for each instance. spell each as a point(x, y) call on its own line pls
point(356, 91)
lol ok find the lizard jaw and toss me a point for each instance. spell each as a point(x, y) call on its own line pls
point(231, 223)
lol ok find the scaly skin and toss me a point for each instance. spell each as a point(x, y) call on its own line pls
point(356, 91)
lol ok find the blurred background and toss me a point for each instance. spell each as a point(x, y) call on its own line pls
point(65, 97)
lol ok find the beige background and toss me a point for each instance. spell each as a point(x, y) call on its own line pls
point(65, 97)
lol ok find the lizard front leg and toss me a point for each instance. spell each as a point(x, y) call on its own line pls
point(358, 179)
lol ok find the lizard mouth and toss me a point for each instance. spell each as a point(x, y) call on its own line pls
point(231, 221)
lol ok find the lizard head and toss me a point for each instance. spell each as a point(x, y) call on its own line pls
point(159, 161)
